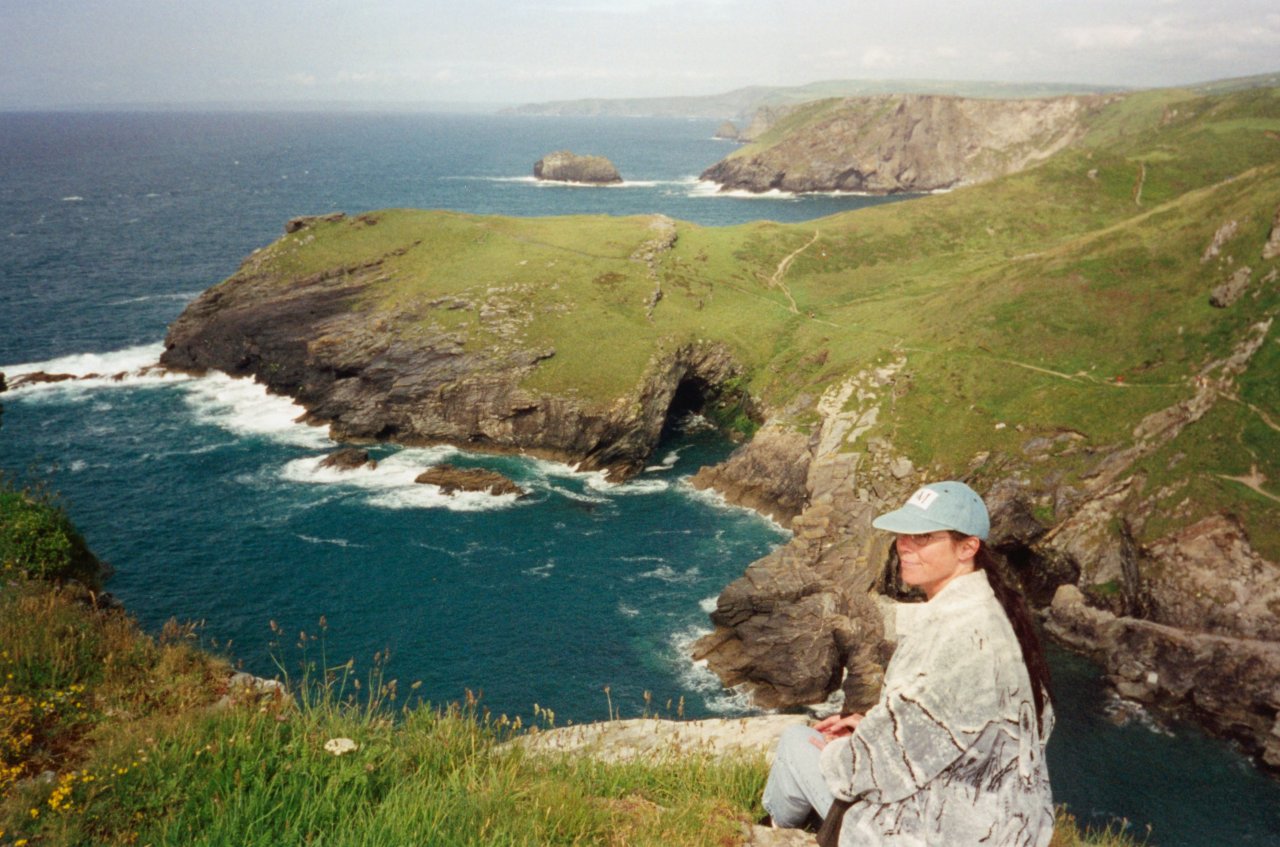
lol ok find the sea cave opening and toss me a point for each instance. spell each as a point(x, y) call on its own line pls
point(724, 406)
point(693, 396)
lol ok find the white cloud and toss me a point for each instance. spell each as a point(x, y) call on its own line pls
point(880, 59)
point(1103, 36)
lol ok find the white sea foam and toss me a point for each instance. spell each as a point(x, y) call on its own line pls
point(705, 188)
point(244, 407)
point(129, 367)
point(696, 676)
point(557, 183)
point(708, 604)
point(628, 611)
point(391, 484)
point(634, 486)
point(570, 494)
point(716, 500)
point(1123, 712)
point(179, 296)
point(667, 462)
point(670, 575)
point(74, 198)
point(337, 542)
point(77, 465)
point(541, 571)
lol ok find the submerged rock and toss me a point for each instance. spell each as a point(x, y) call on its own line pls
point(564, 166)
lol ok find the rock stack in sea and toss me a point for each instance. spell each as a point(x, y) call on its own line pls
point(565, 166)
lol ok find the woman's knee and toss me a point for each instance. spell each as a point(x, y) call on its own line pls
point(798, 739)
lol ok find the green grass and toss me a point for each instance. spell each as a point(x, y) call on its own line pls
point(1067, 297)
point(136, 755)
point(111, 736)
point(38, 539)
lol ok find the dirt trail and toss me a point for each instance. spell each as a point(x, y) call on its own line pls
point(775, 281)
point(1254, 480)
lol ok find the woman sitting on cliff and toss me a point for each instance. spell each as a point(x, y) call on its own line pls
point(953, 752)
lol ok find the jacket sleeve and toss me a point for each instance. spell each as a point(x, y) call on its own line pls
point(924, 722)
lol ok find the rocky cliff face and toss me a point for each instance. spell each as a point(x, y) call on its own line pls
point(365, 375)
point(564, 166)
point(1189, 623)
point(802, 622)
point(901, 143)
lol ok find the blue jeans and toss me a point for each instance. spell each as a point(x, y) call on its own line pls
point(796, 785)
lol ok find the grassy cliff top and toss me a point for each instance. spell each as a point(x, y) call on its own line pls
point(1071, 298)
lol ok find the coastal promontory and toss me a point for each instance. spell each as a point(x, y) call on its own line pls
point(896, 143)
point(1046, 334)
point(564, 166)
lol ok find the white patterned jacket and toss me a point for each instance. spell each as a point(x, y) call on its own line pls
point(951, 755)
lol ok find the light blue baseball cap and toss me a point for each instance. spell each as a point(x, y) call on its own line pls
point(939, 505)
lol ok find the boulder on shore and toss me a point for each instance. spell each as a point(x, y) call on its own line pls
point(564, 166)
point(452, 479)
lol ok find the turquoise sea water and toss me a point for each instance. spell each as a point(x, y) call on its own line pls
point(206, 496)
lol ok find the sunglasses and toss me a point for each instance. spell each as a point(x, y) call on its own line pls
point(921, 539)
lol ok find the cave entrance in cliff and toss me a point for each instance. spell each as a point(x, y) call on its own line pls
point(694, 396)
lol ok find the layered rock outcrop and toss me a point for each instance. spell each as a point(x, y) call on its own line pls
point(565, 166)
point(803, 622)
point(904, 143)
point(358, 371)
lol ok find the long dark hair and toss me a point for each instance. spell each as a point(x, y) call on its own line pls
point(1015, 608)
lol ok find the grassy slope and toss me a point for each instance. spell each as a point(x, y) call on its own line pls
point(1070, 297)
point(107, 737)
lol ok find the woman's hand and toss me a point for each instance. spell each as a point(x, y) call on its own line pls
point(835, 726)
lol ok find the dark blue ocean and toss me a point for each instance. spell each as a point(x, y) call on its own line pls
point(207, 498)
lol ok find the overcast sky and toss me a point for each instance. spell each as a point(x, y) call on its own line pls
point(56, 53)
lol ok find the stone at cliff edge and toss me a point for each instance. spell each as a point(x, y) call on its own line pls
point(564, 166)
